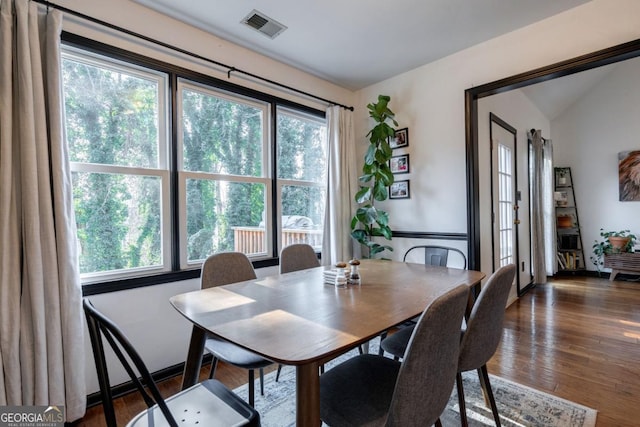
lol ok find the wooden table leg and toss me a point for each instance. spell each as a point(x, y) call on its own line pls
point(307, 395)
point(194, 358)
point(613, 275)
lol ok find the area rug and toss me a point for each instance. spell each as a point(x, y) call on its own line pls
point(518, 405)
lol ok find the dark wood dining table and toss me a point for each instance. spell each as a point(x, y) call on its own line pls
point(297, 319)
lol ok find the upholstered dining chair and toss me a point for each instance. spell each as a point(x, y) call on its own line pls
point(222, 269)
point(480, 338)
point(377, 391)
point(482, 335)
point(296, 257)
point(208, 403)
point(432, 255)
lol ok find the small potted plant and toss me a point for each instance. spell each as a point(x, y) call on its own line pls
point(562, 176)
point(612, 242)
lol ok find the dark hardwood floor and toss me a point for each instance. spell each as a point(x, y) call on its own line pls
point(577, 338)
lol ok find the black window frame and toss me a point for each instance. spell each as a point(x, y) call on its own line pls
point(174, 72)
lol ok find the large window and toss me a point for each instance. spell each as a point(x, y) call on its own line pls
point(116, 131)
point(224, 141)
point(302, 176)
point(249, 170)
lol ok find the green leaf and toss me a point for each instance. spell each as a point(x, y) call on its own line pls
point(380, 192)
point(386, 232)
point(365, 178)
point(363, 195)
point(354, 223)
point(370, 155)
point(383, 218)
point(386, 175)
point(360, 236)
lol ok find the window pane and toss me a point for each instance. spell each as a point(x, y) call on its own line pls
point(111, 115)
point(221, 136)
point(302, 148)
point(118, 219)
point(302, 215)
point(224, 216)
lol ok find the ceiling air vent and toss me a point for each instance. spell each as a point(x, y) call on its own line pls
point(262, 23)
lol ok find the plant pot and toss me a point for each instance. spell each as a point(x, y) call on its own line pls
point(618, 244)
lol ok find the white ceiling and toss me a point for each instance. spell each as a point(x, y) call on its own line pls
point(554, 96)
point(355, 43)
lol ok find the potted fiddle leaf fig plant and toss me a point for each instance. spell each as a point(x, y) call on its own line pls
point(370, 221)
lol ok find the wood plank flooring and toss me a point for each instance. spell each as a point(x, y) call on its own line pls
point(577, 338)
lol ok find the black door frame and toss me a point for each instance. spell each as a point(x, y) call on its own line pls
point(589, 61)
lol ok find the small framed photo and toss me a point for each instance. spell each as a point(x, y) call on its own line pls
point(401, 138)
point(399, 164)
point(399, 190)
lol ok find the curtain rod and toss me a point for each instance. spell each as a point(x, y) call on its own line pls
point(541, 137)
point(230, 68)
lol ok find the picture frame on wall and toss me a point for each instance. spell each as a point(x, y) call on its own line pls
point(399, 164)
point(399, 190)
point(400, 139)
point(629, 175)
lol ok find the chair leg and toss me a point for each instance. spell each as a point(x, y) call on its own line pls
point(382, 337)
point(486, 387)
point(251, 388)
point(214, 365)
point(261, 382)
point(461, 404)
point(322, 369)
point(278, 373)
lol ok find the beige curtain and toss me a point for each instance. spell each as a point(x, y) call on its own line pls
point(41, 322)
point(543, 247)
point(337, 244)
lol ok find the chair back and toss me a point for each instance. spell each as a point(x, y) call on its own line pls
point(436, 255)
point(429, 367)
point(484, 326)
point(298, 256)
point(224, 268)
point(101, 326)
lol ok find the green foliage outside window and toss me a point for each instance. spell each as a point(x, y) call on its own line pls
point(116, 140)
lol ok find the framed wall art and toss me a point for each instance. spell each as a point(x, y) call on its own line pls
point(399, 190)
point(629, 176)
point(399, 164)
point(400, 139)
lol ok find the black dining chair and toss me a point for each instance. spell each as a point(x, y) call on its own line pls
point(377, 391)
point(480, 338)
point(222, 269)
point(208, 403)
point(436, 255)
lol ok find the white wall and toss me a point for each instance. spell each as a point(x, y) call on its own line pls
point(588, 137)
point(430, 101)
point(518, 111)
